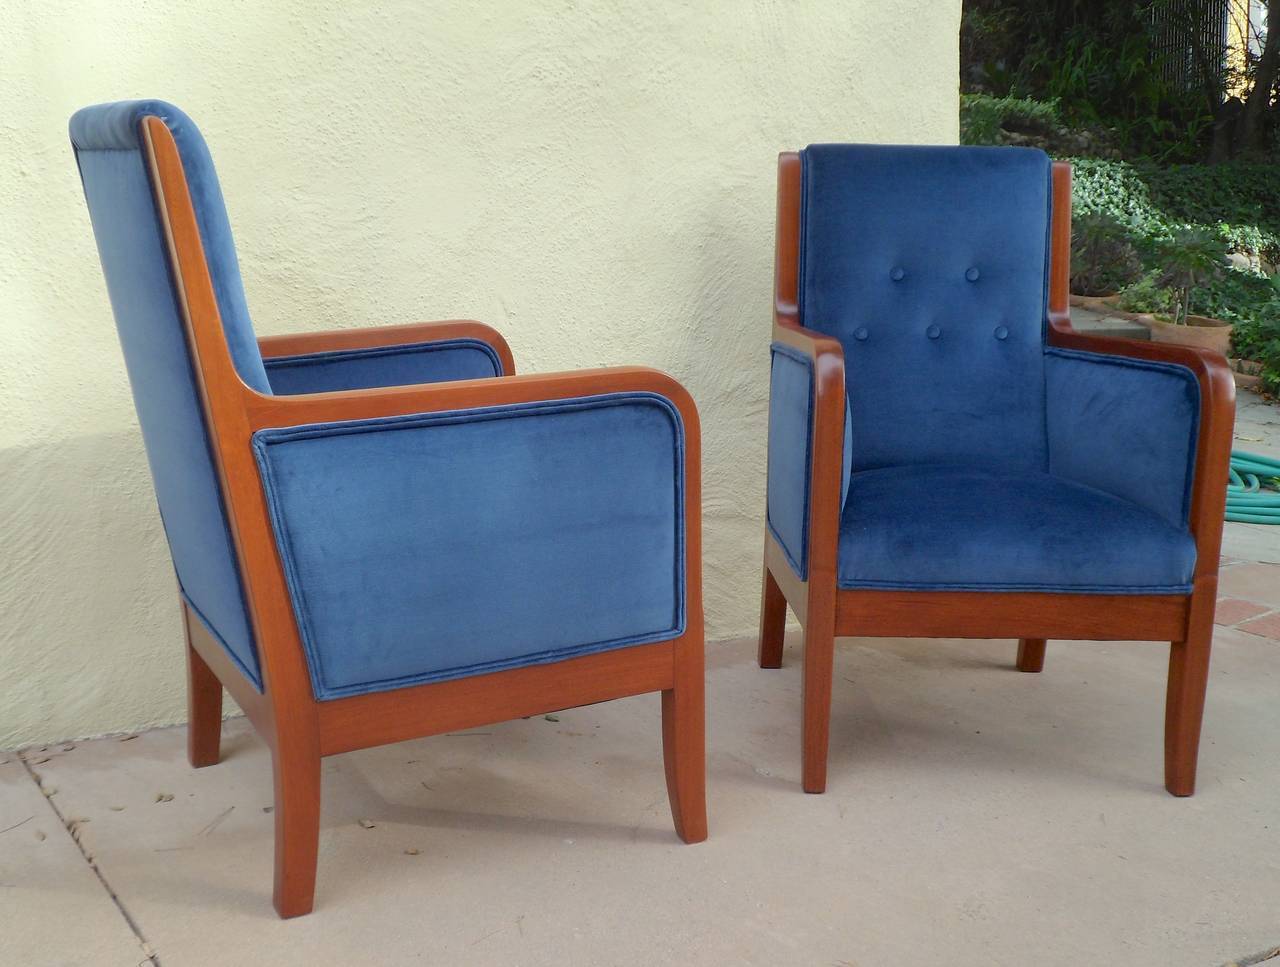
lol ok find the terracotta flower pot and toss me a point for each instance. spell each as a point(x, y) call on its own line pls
point(1098, 303)
point(1200, 331)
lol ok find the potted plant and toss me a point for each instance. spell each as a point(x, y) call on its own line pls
point(1103, 260)
point(1190, 260)
point(1146, 298)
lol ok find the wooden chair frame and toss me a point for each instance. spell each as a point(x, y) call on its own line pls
point(826, 611)
point(300, 730)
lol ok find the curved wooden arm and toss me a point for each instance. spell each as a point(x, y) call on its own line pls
point(281, 411)
point(305, 343)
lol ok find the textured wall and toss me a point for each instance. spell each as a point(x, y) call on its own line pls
point(593, 178)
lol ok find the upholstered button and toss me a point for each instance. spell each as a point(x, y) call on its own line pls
point(933, 332)
point(971, 274)
point(1002, 332)
point(897, 273)
point(860, 334)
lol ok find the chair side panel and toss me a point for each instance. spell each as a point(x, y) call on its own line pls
point(437, 546)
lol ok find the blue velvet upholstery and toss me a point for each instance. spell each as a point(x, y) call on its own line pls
point(790, 448)
point(939, 367)
point(975, 529)
point(135, 263)
point(107, 127)
point(401, 365)
point(436, 546)
point(791, 451)
point(1125, 426)
point(981, 458)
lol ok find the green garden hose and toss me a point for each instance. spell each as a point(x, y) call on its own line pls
point(1248, 498)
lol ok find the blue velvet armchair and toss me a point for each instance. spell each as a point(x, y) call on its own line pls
point(385, 534)
point(948, 458)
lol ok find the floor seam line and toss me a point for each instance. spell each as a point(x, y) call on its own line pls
point(149, 955)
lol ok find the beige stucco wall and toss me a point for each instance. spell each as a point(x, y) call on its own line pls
point(593, 178)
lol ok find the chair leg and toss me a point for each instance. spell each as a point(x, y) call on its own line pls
point(1031, 654)
point(204, 706)
point(819, 656)
point(773, 622)
point(297, 815)
point(1184, 704)
point(684, 743)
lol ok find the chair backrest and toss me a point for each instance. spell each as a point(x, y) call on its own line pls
point(115, 171)
point(930, 265)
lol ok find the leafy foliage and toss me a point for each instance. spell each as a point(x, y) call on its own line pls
point(1103, 258)
point(983, 117)
point(1095, 59)
point(1238, 204)
point(1190, 262)
point(1146, 294)
point(1185, 220)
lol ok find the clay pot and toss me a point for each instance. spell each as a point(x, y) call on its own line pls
point(1200, 331)
point(1098, 303)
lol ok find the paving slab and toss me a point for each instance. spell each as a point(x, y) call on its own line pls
point(1104, 324)
point(974, 816)
point(1256, 582)
point(54, 911)
point(1257, 431)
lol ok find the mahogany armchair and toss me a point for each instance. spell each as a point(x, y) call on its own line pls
point(386, 534)
point(948, 458)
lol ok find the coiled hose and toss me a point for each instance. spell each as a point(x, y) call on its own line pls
point(1248, 498)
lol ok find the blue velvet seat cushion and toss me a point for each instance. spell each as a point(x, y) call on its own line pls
point(435, 546)
point(969, 529)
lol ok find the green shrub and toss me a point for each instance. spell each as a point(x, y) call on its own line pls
point(1148, 295)
point(1103, 258)
point(1213, 209)
point(983, 117)
point(1190, 262)
point(1238, 203)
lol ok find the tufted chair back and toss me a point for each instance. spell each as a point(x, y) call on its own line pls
point(930, 265)
point(135, 258)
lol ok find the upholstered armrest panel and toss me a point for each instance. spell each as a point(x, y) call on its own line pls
point(790, 460)
point(1124, 426)
point(790, 453)
point(434, 546)
point(403, 365)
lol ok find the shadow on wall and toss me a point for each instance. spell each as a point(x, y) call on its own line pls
point(723, 355)
point(100, 654)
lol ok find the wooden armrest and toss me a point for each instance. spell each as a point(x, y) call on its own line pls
point(827, 462)
point(1217, 422)
point(282, 411)
point(808, 341)
point(305, 343)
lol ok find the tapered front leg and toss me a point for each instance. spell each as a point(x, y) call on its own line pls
point(1184, 704)
point(684, 742)
point(773, 622)
point(1031, 654)
point(204, 705)
point(297, 816)
point(819, 658)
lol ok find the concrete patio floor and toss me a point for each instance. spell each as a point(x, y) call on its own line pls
point(974, 816)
